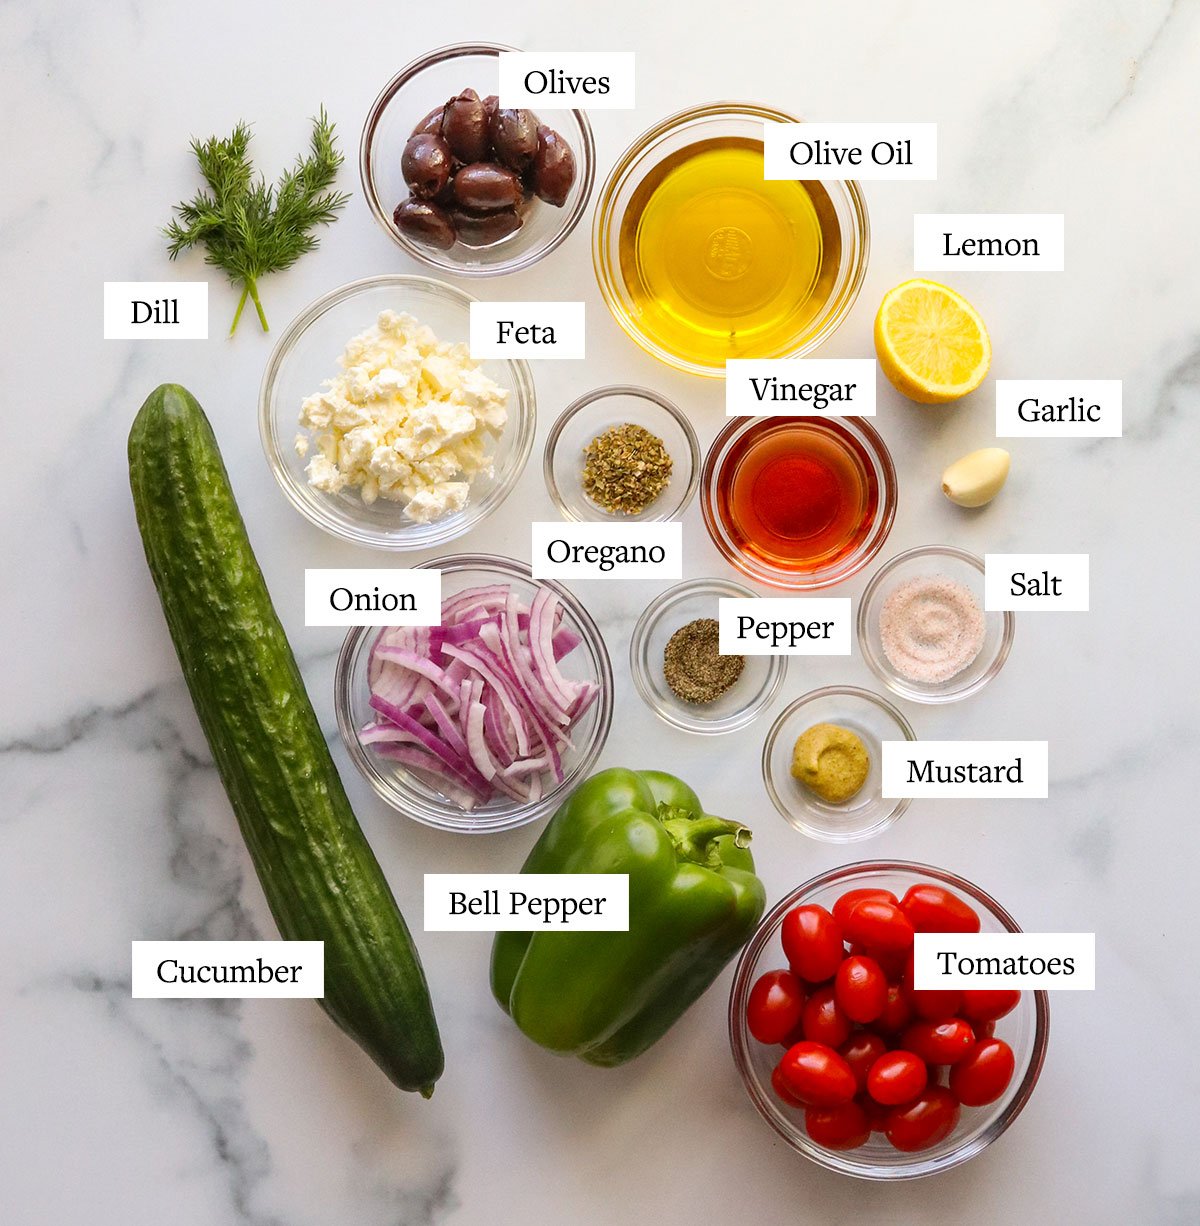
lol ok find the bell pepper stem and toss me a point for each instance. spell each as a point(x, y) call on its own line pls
point(692, 836)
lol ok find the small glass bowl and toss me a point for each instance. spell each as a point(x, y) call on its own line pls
point(753, 691)
point(1026, 1030)
point(414, 91)
point(415, 798)
point(961, 566)
point(306, 355)
point(867, 812)
point(856, 437)
point(692, 127)
point(596, 412)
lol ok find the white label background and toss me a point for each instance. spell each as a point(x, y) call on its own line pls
point(308, 955)
point(669, 536)
point(566, 318)
point(1034, 767)
point(612, 887)
point(778, 139)
point(1104, 392)
point(424, 585)
point(618, 66)
point(118, 310)
point(929, 241)
point(785, 610)
point(1072, 568)
point(928, 975)
point(741, 401)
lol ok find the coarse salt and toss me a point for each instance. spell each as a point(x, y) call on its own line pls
point(931, 627)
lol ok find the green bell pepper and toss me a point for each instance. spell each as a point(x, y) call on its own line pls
point(693, 902)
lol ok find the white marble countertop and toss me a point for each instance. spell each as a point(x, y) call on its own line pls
point(114, 826)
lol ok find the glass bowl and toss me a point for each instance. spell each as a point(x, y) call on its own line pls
point(962, 567)
point(1026, 1029)
point(306, 355)
point(417, 799)
point(862, 451)
point(596, 412)
point(867, 812)
point(842, 212)
point(753, 691)
point(414, 91)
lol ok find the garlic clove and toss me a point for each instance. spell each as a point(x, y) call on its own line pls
point(977, 478)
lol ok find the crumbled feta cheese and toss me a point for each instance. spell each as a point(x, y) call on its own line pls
point(407, 420)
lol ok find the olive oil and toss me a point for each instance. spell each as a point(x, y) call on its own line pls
point(722, 263)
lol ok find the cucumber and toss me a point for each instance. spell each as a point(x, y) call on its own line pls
point(321, 878)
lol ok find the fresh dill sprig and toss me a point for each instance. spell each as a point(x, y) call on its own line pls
point(248, 227)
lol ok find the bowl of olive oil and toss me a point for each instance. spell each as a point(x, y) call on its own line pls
point(701, 259)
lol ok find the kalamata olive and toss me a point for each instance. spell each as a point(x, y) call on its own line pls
point(483, 229)
point(553, 170)
point(491, 104)
point(514, 136)
point(432, 123)
point(426, 165)
point(465, 128)
point(486, 186)
point(426, 223)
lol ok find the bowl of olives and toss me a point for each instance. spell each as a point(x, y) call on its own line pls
point(460, 182)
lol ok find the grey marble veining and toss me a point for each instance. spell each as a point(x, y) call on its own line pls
point(113, 825)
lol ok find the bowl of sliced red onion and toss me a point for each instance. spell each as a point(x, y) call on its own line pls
point(486, 721)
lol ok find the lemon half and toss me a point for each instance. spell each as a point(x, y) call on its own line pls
point(931, 342)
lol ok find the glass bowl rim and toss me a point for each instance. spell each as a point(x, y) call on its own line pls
point(445, 815)
point(585, 163)
point(739, 1039)
point(650, 616)
point(311, 509)
point(889, 499)
point(678, 121)
point(895, 683)
point(604, 393)
point(899, 808)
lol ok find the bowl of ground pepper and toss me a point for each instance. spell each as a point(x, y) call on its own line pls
point(622, 454)
point(679, 671)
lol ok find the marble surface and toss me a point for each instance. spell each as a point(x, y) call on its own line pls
point(114, 827)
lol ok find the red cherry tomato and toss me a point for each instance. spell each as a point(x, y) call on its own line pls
point(795, 1035)
point(933, 1004)
point(894, 962)
point(879, 925)
point(824, 1020)
point(781, 1088)
point(983, 1030)
point(817, 1075)
point(925, 1121)
point(896, 1077)
point(934, 909)
point(860, 1051)
point(983, 1005)
point(812, 941)
point(897, 1012)
point(877, 1115)
point(842, 1127)
point(939, 1042)
point(861, 989)
point(775, 1004)
point(851, 898)
point(983, 1074)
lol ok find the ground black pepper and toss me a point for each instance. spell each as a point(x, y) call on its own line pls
point(693, 666)
point(625, 469)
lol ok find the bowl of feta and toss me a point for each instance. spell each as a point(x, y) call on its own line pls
point(379, 426)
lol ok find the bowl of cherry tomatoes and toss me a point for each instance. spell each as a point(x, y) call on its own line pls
point(846, 1059)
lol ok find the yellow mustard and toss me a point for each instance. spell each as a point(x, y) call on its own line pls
point(831, 761)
